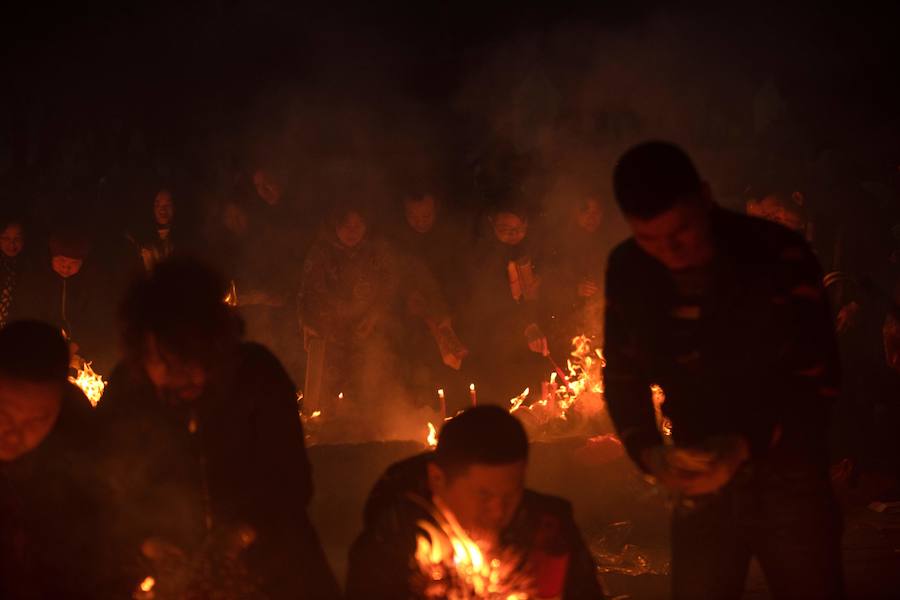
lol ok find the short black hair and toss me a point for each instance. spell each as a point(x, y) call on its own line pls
point(652, 177)
point(482, 435)
point(182, 304)
point(33, 351)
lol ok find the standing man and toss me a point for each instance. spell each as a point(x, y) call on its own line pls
point(727, 313)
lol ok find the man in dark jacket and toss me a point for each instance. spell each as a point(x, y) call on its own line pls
point(206, 450)
point(50, 503)
point(470, 490)
point(726, 313)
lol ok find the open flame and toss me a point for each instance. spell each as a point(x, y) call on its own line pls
point(90, 383)
point(147, 584)
point(432, 436)
point(454, 567)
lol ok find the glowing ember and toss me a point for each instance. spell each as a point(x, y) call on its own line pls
point(432, 436)
point(315, 414)
point(663, 423)
point(454, 567)
point(90, 383)
point(147, 584)
point(231, 298)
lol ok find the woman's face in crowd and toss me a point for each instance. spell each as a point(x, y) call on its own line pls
point(266, 187)
point(235, 219)
point(509, 229)
point(66, 267)
point(12, 240)
point(28, 411)
point(421, 213)
point(163, 208)
point(589, 215)
point(351, 230)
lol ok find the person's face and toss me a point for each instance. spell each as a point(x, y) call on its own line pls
point(163, 208)
point(235, 219)
point(421, 214)
point(65, 266)
point(484, 498)
point(679, 238)
point(266, 187)
point(352, 230)
point(589, 215)
point(12, 240)
point(509, 229)
point(171, 375)
point(28, 412)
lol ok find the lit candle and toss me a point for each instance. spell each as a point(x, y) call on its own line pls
point(443, 403)
point(472, 394)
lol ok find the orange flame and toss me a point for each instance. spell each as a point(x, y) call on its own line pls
point(90, 383)
point(432, 436)
point(147, 584)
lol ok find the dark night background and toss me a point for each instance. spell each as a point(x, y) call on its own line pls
point(84, 80)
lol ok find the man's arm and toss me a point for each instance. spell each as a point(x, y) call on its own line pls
point(808, 351)
point(627, 385)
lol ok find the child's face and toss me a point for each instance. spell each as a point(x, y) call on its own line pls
point(509, 229)
point(28, 412)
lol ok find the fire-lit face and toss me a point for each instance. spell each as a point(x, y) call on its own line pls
point(351, 230)
point(163, 208)
point(589, 215)
point(509, 228)
point(28, 412)
point(12, 240)
point(679, 238)
point(234, 219)
point(421, 213)
point(484, 498)
point(171, 375)
point(65, 266)
point(266, 187)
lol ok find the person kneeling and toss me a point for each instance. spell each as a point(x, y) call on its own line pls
point(459, 521)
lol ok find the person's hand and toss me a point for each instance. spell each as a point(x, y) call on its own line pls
point(587, 288)
point(697, 471)
point(537, 341)
point(847, 316)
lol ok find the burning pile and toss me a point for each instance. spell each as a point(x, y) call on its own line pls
point(90, 383)
point(568, 401)
point(453, 566)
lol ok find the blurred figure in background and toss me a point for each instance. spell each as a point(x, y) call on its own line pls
point(159, 241)
point(502, 317)
point(578, 261)
point(430, 256)
point(15, 269)
point(350, 285)
point(73, 294)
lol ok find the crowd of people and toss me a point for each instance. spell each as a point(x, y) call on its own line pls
point(193, 466)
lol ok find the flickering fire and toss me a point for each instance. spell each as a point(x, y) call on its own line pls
point(454, 567)
point(231, 298)
point(432, 436)
point(147, 584)
point(90, 383)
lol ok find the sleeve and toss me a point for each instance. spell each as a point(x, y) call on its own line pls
point(379, 563)
point(581, 578)
point(627, 387)
point(808, 352)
